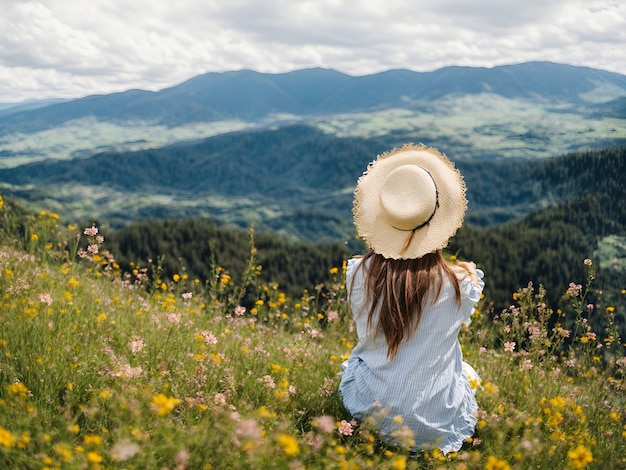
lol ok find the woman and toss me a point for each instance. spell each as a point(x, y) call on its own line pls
point(409, 303)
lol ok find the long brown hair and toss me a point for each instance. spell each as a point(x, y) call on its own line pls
point(402, 287)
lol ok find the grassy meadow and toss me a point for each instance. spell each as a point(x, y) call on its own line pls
point(104, 369)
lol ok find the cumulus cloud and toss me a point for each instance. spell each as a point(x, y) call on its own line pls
point(71, 48)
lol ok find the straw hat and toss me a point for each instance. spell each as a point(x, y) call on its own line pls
point(409, 202)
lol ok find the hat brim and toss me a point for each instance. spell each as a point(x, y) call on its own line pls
point(391, 242)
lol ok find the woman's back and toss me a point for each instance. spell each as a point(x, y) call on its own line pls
point(424, 383)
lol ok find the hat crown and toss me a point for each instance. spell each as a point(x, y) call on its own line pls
point(408, 197)
point(409, 202)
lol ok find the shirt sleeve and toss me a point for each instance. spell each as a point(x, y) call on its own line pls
point(471, 294)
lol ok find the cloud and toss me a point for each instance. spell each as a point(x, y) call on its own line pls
point(69, 48)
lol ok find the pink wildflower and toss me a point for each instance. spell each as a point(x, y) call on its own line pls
point(240, 310)
point(208, 337)
point(91, 231)
point(92, 249)
point(268, 380)
point(219, 399)
point(136, 344)
point(525, 364)
point(574, 290)
point(345, 428)
point(124, 450)
point(587, 262)
point(332, 315)
point(249, 428)
point(187, 295)
point(174, 317)
point(509, 346)
point(45, 299)
point(325, 423)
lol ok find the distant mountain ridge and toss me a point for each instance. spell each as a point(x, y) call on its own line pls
point(251, 95)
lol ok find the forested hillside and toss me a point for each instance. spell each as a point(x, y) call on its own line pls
point(296, 181)
point(196, 247)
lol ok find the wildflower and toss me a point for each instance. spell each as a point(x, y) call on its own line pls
point(249, 428)
point(124, 450)
point(587, 262)
point(289, 444)
point(268, 380)
point(334, 270)
point(45, 299)
point(7, 439)
point(399, 462)
point(94, 457)
point(64, 451)
point(92, 439)
point(509, 346)
point(162, 404)
point(345, 428)
point(136, 344)
point(18, 388)
point(187, 295)
point(174, 317)
point(93, 249)
point(525, 364)
point(91, 231)
point(580, 457)
point(240, 310)
point(574, 290)
point(208, 337)
point(494, 463)
point(324, 423)
point(219, 399)
point(332, 315)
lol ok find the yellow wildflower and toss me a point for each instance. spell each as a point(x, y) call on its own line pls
point(92, 439)
point(94, 457)
point(7, 439)
point(399, 462)
point(289, 444)
point(19, 388)
point(494, 463)
point(162, 404)
point(580, 457)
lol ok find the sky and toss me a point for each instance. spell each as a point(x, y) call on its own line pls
point(75, 48)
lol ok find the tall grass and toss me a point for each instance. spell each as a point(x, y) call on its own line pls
point(100, 369)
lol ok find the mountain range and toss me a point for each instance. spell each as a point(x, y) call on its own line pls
point(254, 96)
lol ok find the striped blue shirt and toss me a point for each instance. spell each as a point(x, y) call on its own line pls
point(424, 387)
